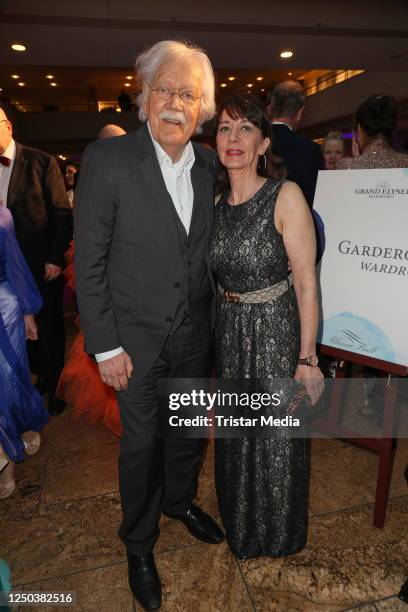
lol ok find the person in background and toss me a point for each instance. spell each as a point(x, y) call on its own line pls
point(302, 157)
point(69, 170)
point(124, 102)
point(22, 414)
point(376, 119)
point(32, 187)
point(110, 130)
point(333, 149)
point(80, 384)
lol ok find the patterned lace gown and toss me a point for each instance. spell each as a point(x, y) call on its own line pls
point(262, 484)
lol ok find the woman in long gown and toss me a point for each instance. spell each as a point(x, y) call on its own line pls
point(80, 384)
point(261, 224)
point(21, 408)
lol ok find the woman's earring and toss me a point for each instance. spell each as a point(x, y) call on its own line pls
point(262, 169)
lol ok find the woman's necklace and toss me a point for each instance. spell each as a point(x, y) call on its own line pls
point(258, 187)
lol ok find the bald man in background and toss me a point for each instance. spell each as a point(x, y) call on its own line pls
point(110, 130)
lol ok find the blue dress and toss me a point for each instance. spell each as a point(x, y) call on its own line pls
point(21, 406)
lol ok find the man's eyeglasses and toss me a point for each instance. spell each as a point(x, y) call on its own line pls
point(165, 93)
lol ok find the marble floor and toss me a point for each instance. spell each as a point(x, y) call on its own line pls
point(58, 532)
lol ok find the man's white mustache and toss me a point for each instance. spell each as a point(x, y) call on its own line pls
point(173, 116)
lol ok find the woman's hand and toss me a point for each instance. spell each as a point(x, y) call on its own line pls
point(313, 379)
point(31, 329)
point(355, 149)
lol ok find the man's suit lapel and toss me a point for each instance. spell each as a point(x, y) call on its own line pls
point(203, 194)
point(150, 168)
point(16, 176)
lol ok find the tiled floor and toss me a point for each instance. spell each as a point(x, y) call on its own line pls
point(58, 533)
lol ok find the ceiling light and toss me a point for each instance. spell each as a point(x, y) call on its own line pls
point(15, 76)
point(53, 84)
point(49, 76)
point(18, 47)
point(290, 73)
point(286, 54)
point(262, 90)
point(126, 84)
point(249, 84)
point(259, 78)
point(21, 84)
point(231, 78)
point(223, 84)
point(118, 110)
point(129, 77)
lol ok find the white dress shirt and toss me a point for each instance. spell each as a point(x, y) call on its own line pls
point(5, 171)
point(282, 123)
point(177, 178)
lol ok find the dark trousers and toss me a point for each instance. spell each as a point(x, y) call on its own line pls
point(46, 354)
point(158, 474)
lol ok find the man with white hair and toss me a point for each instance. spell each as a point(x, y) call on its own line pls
point(142, 224)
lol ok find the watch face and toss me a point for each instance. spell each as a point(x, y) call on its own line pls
point(314, 360)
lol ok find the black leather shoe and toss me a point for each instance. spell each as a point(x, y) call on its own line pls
point(144, 581)
point(199, 524)
point(55, 405)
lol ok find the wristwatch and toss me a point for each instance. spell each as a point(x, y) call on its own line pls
point(312, 360)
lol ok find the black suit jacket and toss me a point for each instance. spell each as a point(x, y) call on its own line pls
point(42, 215)
point(302, 157)
point(128, 258)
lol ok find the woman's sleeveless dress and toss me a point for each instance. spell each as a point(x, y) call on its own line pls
point(262, 484)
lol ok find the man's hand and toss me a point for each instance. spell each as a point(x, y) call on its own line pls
point(31, 329)
point(116, 371)
point(52, 272)
point(313, 380)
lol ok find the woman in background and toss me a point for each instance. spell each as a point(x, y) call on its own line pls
point(22, 414)
point(333, 150)
point(80, 384)
point(376, 119)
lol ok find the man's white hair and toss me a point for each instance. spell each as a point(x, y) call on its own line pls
point(170, 51)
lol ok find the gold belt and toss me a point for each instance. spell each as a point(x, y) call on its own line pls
point(268, 294)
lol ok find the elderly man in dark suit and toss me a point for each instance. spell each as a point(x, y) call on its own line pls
point(143, 214)
point(32, 187)
point(302, 157)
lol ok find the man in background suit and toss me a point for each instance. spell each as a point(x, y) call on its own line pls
point(32, 187)
point(302, 157)
point(143, 214)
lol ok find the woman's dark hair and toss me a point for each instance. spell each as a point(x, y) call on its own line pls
point(377, 115)
point(249, 107)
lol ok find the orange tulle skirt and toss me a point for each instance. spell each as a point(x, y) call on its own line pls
point(81, 386)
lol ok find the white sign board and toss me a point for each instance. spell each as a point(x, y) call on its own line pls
point(363, 273)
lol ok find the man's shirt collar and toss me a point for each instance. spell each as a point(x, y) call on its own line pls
point(186, 161)
point(10, 152)
point(282, 123)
